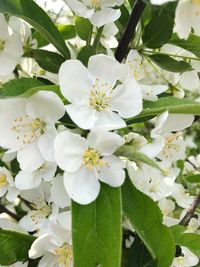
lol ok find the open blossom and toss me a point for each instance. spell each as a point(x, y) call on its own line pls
point(99, 12)
point(54, 247)
point(96, 100)
point(186, 259)
point(10, 48)
point(86, 161)
point(28, 126)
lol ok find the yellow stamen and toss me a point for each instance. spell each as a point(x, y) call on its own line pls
point(3, 180)
point(92, 159)
point(64, 254)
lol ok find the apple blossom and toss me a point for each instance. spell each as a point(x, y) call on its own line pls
point(99, 12)
point(28, 127)
point(95, 101)
point(187, 259)
point(86, 161)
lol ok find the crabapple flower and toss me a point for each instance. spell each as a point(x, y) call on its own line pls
point(96, 100)
point(186, 259)
point(54, 244)
point(88, 161)
point(10, 48)
point(108, 39)
point(99, 12)
point(160, 2)
point(7, 185)
point(27, 125)
point(28, 180)
point(187, 18)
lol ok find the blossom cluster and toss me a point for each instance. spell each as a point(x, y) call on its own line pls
point(61, 146)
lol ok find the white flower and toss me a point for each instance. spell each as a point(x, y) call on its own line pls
point(108, 39)
point(138, 70)
point(187, 18)
point(99, 12)
point(28, 180)
point(186, 259)
point(86, 161)
point(10, 48)
point(93, 95)
point(161, 2)
point(42, 211)
point(151, 181)
point(7, 185)
point(54, 246)
point(28, 126)
point(181, 196)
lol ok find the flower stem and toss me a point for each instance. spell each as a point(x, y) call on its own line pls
point(136, 13)
point(97, 38)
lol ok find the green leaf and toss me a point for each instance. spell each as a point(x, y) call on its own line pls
point(47, 60)
point(97, 230)
point(85, 53)
point(168, 63)
point(158, 31)
point(194, 178)
point(188, 240)
point(52, 88)
point(172, 104)
point(131, 153)
point(83, 28)
point(146, 218)
point(18, 87)
point(14, 247)
point(192, 44)
point(67, 32)
point(37, 17)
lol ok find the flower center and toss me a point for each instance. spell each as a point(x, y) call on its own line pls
point(170, 146)
point(40, 210)
point(95, 4)
point(28, 129)
point(3, 180)
point(64, 254)
point(2, 45)
point(196, 2)
point(92, 159)
point(100, 96)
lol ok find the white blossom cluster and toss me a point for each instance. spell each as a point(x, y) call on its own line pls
point(59, 162)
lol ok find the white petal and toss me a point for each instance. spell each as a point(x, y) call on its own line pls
point(189, 80)
point(69, 149)
point(58, 192)
point(45, 105)
point(45, 144)
point(113, 174)
point(82, 186)
point(153, 149)
point(14, 47)
point(104, 16)
point(39, 246)
point(29, 157)
point(106, 69)
point(4, 28)
point(109, 120)
point(79, 8)
point(83, 116)
point(150, 92)
point(104, 142)
point(75, 80)
point(27, 224)
point(12, 194)
point(177, 122)
point(27, 180)
point(127, 99)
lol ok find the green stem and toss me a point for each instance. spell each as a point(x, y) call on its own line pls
point(89, 38)
point(97, 38)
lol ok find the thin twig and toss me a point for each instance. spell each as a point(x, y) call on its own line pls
point(136, 13)
point(11, 214)
point(190, 213)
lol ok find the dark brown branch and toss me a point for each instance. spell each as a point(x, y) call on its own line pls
point(11, 214)
point(136, 13)
point(191, 211)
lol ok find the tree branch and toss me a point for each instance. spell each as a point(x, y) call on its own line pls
point(190, 213)
point(136, 13)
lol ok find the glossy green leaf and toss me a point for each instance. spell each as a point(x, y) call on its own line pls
point(97, 230)
point(172, 104)
point(131, 153)
point(188, 240)
point(47, 60)
point(192, 44)
point(18, 87)
point(83, 28)
point(14, 247)
point(194, 178)
point(146, 218)
point(37, 17)
point(168, 63)
point(158, 31)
